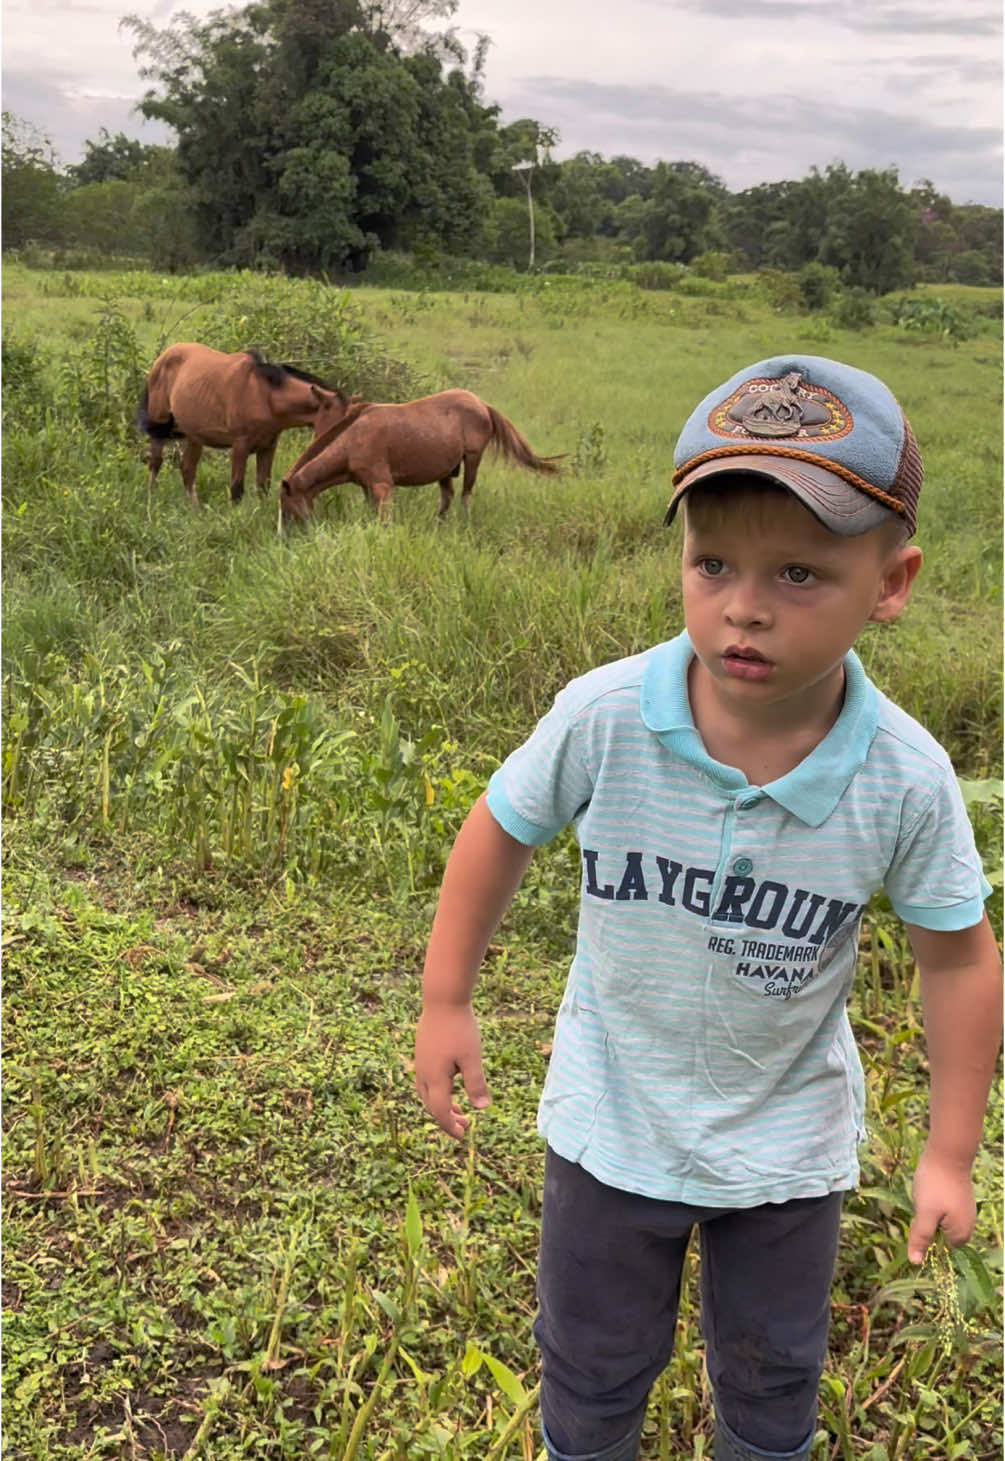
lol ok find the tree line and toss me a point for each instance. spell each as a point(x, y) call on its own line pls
point(312, 135)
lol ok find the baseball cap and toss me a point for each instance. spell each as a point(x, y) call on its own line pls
point(831, 434)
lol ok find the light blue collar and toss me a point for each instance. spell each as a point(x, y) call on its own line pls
point(812, 789)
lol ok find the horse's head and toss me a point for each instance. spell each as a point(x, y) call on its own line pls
point(294, 506)
point(331, 407)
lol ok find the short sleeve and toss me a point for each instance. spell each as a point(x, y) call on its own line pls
point(544, 784)
point(936, 880)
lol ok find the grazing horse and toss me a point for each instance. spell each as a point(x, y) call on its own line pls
point(242, 401)
point(380, 446)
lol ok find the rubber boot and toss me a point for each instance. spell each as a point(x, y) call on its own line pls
point(729, 1447)
point(627, 1449)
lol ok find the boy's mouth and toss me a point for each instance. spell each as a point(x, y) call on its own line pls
point(744, 663)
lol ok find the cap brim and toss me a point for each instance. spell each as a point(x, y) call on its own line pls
point(842, 508)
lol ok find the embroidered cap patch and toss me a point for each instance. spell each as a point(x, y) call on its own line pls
point(769, 407)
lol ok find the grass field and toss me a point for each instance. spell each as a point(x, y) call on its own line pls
point(232, 769)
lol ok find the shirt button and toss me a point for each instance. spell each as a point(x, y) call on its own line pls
point(747, 802)
point(743, 866)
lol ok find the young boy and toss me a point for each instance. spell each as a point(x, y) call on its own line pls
point(739, 794)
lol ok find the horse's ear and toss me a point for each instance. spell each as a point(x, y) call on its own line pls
point(322, 397)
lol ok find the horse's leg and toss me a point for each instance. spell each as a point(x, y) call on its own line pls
point(191, 452)
point(263, 466)
point(380, 496)
point(238, 463)
point(154, 459)
point(446, 497)
point(472, 460)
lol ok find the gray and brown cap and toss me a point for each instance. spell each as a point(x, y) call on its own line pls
point(829, 433)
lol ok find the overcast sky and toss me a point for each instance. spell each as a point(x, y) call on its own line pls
point(756, 90)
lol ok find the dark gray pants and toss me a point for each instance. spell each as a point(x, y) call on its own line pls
point(608, 1288)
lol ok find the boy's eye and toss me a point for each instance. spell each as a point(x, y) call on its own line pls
point(796, 573)
point(711, 567)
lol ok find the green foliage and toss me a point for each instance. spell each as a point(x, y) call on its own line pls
point(818, 284)
point(309, 141)
point(781, 289)
point(102, 379)
point(854, 310)
point(678, 220)
point(316, 142)
point(121, 158)
point(319, 329)
point(713, 264)
point(590, 455)
point(31, 186)
point(870, 231)
point(931, 316)
point(656, 274)
point(508, 230)
point(100, 216)
point(23, 399)
point(984, 803)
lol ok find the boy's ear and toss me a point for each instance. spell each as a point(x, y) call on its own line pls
point(898, 576)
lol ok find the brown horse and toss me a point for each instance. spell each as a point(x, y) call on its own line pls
point(242, 401)
point(381, 446)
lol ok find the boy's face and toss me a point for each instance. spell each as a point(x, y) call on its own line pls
point(773, 600)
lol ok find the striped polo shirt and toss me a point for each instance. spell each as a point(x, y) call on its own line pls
point(702, 1049)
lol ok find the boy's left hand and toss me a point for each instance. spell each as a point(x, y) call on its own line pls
point(943, 1198)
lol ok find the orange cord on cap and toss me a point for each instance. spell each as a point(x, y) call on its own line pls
point(753, 448)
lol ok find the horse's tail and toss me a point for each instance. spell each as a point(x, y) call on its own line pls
point(507, 440)
point(162, 430)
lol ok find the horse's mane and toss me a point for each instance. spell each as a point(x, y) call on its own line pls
point(354, 411)
point(275, 373)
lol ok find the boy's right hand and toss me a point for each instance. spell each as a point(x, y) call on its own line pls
point(447, 1042)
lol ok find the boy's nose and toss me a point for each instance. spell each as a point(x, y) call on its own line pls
point(747, 606)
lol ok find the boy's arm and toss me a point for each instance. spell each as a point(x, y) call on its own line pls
point(483, 872)
point(961, 1000)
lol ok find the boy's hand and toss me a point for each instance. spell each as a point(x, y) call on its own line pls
point(447, 1042)
point(943, 1198)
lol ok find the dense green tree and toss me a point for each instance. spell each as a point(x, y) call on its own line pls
point(508, 233)
point(121, 158)
point(625, 177)
point(31, 186)
point(578, 199)
point(752, 219)
point(680, 217)
point(980, 228)
point(628, 215)
point(450, 199)
point(127, 197)
point(871, 231)
point(314, 131)
point(209, 78)
point(100, 216)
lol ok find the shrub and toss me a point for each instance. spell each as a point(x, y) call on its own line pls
point(818, 284)
point(317, 329)
point(713, 264)
point(855, 310)
point(972, 267)
point(931, 316)
point(656, 274)
point(781, 290)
